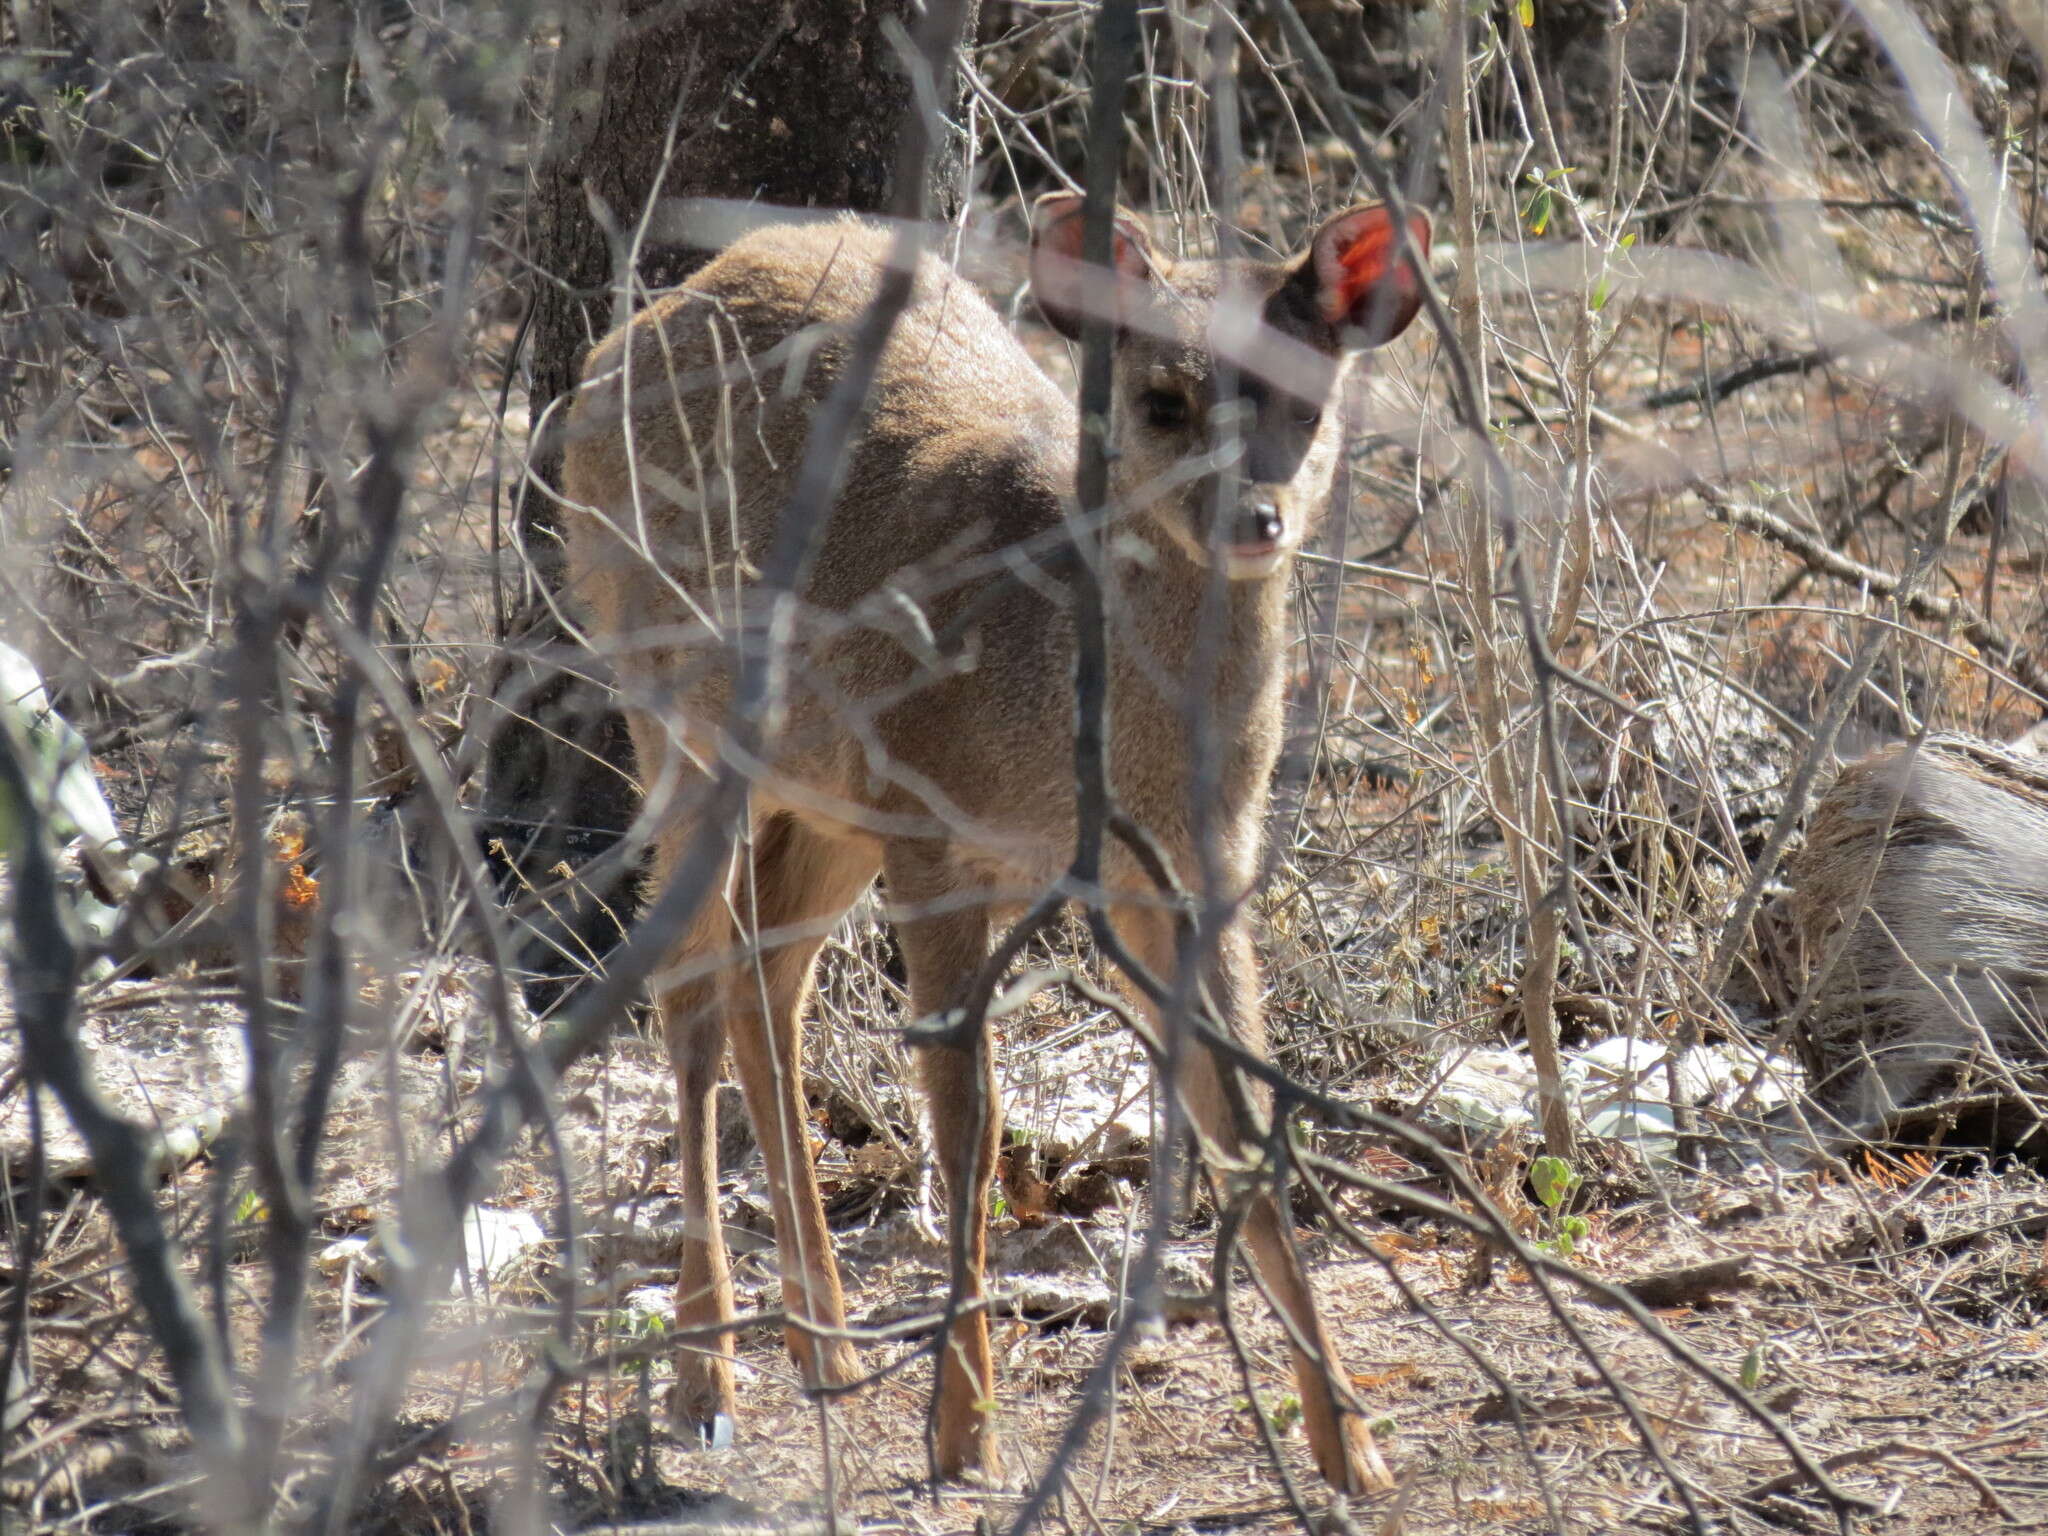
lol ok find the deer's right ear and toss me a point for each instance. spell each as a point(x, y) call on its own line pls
point(1067, 289)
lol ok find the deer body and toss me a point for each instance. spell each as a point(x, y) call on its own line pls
point(925, 726)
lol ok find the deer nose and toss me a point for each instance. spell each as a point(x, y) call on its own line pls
point(1259, 522)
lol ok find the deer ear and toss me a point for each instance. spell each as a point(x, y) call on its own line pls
point(1357, 280)
point(1067, 289)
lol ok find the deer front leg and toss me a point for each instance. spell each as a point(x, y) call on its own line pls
point(702, 1401)
point(1230, 1115)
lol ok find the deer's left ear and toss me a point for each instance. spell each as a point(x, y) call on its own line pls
point(1358, 281)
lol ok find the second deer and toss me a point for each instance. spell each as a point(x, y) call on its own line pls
point(947, 765)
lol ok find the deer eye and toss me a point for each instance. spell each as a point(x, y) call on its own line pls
point(1165, 409)
point(1305, 413)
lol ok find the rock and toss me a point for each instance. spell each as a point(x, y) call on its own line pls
point(1619, 1089)
point(646, 1309)
point(1086, 1099)
point(1076, 1299)
point(648, 1235)
point(360, 1254)
point(1720, 760)
point(97, 867)
point(1053, 1248)
point(493, 1242)
point(183, 1074)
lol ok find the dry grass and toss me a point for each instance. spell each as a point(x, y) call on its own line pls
point(190, 351)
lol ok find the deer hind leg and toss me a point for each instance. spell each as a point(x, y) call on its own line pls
point(944, 950)
point(693, 1022)
point(802, 881)
point(1229, 1114)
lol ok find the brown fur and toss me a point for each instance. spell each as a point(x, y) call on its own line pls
point(926, 726)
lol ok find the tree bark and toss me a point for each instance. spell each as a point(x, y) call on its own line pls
point(797, 103)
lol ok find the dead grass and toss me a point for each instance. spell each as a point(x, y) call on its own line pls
point(1892, 1312)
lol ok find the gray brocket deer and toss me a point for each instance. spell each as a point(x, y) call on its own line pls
point(925, 725)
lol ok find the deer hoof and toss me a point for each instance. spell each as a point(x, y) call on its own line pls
point(701, 1412)
point(715, 1433)
point(1361, 1470)
point(975, 1461)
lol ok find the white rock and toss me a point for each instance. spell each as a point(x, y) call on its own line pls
point(494, 1240)
point(1089, 1094)
point(351, 1253)
point(1619, 1089)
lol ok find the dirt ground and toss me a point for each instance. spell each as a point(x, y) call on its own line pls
point(1887, 1316)
point(1881, 1318)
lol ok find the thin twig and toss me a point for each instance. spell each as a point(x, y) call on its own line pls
point(43, 964)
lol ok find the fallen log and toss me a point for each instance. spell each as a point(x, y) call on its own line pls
point(1922, 898)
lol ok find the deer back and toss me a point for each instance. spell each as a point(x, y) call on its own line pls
point(935, 643)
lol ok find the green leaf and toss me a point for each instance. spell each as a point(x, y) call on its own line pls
point(1537, 214)
point(1753, 1367)
point(1525, 12)
point(1553, 1180)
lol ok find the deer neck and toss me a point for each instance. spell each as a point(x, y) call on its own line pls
point(1181, 690)
point(1177, 616)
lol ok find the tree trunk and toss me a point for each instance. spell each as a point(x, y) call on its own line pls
point(792, 102)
